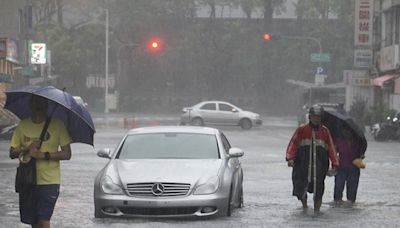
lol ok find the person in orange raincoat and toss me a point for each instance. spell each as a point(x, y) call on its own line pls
point(309, 151)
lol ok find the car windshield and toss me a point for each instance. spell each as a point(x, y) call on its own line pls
point(169, 146)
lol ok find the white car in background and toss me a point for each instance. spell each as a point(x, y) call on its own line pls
point(80, 101)
point(219, 113)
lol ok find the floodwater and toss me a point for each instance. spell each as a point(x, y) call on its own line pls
point(267, 187)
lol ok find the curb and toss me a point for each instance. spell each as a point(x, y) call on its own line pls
point(128, 121)
point(133, 122)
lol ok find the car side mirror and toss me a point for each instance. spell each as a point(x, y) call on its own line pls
point(234, 110)
point(104, 153)
point(235, 152)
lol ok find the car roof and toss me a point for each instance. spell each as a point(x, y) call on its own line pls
point(174, 129)
point(222, 102)
point(214, 101)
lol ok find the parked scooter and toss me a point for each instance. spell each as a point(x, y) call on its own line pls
point(388, 130)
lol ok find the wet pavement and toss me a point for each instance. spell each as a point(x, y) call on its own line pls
point(267, 186)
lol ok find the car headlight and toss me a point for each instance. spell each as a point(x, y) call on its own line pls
point(209, 187)
point(109, 187)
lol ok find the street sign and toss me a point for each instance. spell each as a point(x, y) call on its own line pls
point(363, 58)
point(320, 57)
point(38, 53)
point(27, 71)
point(321, 71)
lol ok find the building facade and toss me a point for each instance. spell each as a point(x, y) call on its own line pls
point(388, 56)
point(13, 17)
point(375, 77)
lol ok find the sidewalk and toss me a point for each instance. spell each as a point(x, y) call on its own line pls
point(133, 120)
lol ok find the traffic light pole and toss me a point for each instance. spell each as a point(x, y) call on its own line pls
point(320, 52)
point(306, 38)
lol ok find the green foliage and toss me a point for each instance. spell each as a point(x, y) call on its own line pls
point(66, 56)
point(203, 57)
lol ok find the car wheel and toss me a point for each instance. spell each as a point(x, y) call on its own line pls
point(197, 122)
point(245, 124)
point(98, 213)
point(229, 209)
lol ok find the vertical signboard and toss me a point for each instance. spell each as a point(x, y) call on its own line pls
point(363, 22)
point(363, 58)
point(8, 50)
point(38, 53)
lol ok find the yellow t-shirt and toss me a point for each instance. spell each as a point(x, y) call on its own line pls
point(47, 171)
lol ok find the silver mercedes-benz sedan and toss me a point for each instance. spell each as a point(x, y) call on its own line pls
point(219, 113)
point(170, 171)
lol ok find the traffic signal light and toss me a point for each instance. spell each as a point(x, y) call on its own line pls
point(267, 36)
point(270, 37)
point(155, 45)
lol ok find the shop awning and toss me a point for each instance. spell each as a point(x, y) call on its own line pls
point(380, 80)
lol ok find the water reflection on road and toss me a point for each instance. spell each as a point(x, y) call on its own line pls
point(267, 188)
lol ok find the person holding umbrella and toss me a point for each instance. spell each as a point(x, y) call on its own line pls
point(51, 119)
point(351, 145)
point(347, 173)
point(25, 143)
point(309, 151)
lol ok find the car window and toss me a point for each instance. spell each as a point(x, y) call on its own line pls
point(225, 107)
point(225, 142)
point(209, 106)
point(169, 146)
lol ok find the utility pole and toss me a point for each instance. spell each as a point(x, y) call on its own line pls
point(106, 68)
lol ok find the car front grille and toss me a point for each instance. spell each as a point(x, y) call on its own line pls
point(158, 211)
point(158, 189)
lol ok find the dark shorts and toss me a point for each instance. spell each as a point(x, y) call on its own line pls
point(38, 203)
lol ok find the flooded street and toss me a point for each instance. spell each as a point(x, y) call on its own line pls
point(103, 67)
point(267, 187)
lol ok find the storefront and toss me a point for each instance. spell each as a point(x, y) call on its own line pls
point(8, 62)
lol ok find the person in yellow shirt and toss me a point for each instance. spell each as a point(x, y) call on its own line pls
point(55, 147)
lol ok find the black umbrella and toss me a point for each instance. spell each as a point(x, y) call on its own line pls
point(336, 121)
point(61, 105)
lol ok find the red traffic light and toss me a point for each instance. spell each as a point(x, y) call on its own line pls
point(270, 37)
point(155, 45)
point(267, 36)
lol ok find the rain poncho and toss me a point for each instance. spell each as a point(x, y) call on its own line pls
point(315, 145)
